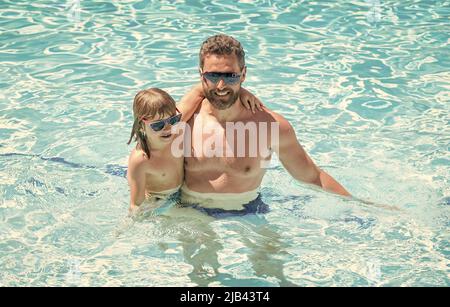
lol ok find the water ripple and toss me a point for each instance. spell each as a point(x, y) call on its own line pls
point(361, 82)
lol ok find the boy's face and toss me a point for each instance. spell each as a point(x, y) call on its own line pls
point(160, 138)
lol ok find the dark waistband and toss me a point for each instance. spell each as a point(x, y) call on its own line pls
point(256, 206)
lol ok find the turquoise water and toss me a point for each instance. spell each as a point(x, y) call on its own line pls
point(365, 84)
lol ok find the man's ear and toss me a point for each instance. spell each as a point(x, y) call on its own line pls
point(200, 72)
point(244, 73)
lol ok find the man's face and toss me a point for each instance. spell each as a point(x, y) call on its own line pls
point(222, 95)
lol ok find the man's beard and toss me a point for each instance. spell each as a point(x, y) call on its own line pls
point(221, 103)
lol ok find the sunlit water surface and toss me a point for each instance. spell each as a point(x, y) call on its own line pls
point(366, 86)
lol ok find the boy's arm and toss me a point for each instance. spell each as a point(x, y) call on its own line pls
point(190, 102)
point(136, 180)
point(250, 101)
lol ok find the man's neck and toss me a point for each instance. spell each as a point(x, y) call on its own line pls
point(227, 115)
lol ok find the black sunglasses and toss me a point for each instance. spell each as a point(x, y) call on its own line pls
point(160, 124)
point(228, 77)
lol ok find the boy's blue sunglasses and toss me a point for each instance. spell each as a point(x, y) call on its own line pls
point(160, 124)
point(228, 77)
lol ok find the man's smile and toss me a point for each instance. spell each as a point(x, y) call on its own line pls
point(222, 93)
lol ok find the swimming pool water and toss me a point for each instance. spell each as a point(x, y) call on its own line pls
point(365, 84)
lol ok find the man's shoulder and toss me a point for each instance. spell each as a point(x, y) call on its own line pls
point(268, 115)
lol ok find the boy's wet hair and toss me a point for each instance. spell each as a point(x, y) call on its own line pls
point(149, 103)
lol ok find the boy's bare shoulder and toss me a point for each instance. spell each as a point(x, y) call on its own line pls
point(137, 159)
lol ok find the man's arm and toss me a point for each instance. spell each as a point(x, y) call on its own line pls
point(297, 162)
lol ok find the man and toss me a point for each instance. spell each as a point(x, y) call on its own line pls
point(230, 181)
